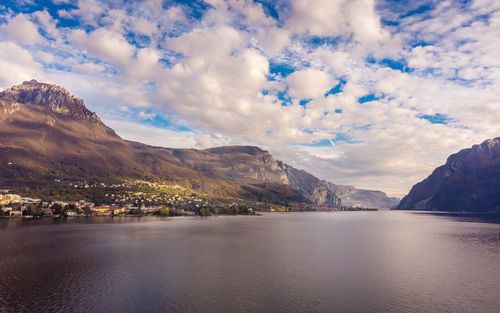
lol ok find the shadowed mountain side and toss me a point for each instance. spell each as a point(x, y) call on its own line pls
point(469, 181)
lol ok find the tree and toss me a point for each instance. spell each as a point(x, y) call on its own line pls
point(34, 209)
point(57, 208)
point(203, 212)
point(87, 211)
point(164, 211)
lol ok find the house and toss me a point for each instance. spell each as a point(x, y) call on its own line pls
point(29, 200)
point(150, 210)
point(16, 213)
point(8, 198)
point(102, 210)
point(6, 211)
point(47, 211)
point(120, 211)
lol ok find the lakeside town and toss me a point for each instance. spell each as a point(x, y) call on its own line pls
point(132, 198)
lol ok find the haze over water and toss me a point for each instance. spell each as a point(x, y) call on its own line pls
point(294, 262)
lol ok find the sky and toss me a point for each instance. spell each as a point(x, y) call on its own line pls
point(369, 93)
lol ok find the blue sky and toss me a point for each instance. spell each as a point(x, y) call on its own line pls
point(362, 92)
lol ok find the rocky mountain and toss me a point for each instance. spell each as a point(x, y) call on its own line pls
point(469, 181)
point(354, 197)
point(310, 186)
point(48, 134)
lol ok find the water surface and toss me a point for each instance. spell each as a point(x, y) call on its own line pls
point(293, 262)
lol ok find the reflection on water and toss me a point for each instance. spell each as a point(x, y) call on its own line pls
point(297, 262)
point(467, 217)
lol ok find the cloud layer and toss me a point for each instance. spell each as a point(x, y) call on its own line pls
point(370, 93)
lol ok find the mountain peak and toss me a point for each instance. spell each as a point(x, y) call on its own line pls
point(490, 144)
point(28, 82)
point(51, 96)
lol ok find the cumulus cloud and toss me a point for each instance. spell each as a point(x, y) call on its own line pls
point(22, 30)
point(88, 68)
point(17, 65)
point(338, 17)
point(164, 137)
point(104, 43)
point(309, 84)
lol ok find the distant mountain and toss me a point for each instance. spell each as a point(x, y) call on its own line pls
point(354, 197)
point(310, 186)
point(48, 134)
point(469, 181)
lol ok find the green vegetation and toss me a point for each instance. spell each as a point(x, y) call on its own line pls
point(165, 211)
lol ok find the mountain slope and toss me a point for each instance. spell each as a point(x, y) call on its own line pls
point(354, 197)
point(47, 133)
point(469, 181)
point(310, 186)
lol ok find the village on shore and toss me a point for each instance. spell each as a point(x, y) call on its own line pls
point(125, 199)
point(133, 198)
point(13, 205)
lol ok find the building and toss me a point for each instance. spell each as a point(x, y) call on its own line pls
point(6, 211)
point(6, 199)
point(102, 210)
point(47, 211)
point(30, 200)
point(16, 213)
point(120, 211)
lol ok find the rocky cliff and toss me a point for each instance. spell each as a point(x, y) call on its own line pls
point(469, 181)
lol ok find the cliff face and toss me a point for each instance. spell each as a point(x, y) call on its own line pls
point(313, 188)
point(48, 133)
point(53, 97)
point(250, 165)
point(469, 181)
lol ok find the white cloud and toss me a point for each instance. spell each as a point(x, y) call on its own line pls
point(317, 17)
point(88, 68)
point(20, 29)
point(106, 44)
point(146, 116)
point(88, 11)
point(309, 84)
point(17, 65)
point(334, 18)
point(163, 137)
point(47, 23)
point(144, 26)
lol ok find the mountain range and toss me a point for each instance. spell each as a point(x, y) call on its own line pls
point(469, 181)
point(47, 133)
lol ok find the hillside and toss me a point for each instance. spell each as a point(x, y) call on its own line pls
point(354, 197)
point(469, 181)
point(48, 134)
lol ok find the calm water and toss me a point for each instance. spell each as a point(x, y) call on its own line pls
point(303, 262)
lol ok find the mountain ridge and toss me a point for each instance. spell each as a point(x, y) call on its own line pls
point(468, 181)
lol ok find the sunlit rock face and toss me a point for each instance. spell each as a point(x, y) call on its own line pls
point(54, 97)
point(313, 188)
point(469, 181)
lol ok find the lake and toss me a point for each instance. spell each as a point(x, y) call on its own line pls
point(289, 262)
